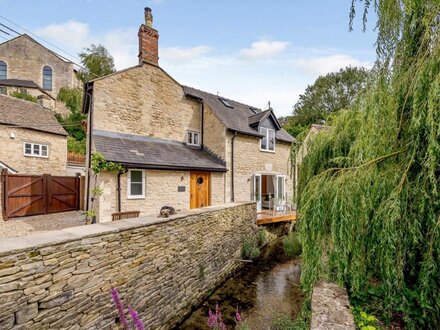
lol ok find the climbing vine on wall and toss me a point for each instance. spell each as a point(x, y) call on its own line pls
point(370, 186)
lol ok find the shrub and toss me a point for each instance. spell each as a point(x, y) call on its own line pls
point(24, 96)
point(249, 249)
point(76, 146)
point(292, 245)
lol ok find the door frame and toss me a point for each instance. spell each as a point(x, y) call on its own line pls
point(256, 186)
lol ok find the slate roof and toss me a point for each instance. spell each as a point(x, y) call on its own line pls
point(17, 112)
point(236, 118)
point(18, 83)
point(138, 151)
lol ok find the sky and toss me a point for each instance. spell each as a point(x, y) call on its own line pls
point(249, 51)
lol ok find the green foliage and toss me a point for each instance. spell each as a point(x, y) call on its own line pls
point(72, 98)
point(24, 96)
point(99, 164)
point(97, 62)
point(370, 187)
point(76, 146)
point(301, 322)
point(263, 237)
point(249, 249)
point(330, 93)
point(365, 321)
point(292, 245)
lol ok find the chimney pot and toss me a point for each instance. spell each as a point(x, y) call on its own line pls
point(148, 40)
point(148, 17)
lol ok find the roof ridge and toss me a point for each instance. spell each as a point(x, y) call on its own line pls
point(228, 99)
point(25, 101)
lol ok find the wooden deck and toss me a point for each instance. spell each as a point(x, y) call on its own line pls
point(266, 217)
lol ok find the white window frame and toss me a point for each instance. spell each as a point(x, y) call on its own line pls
point(129, 195)
point(33, 154)
point(192, 134)
point(266, 134)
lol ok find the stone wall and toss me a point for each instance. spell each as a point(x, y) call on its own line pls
point(161, 188)
point(249, 159)
point(144, 100)
point(331, 308)
point(161, 267)
point(13, 154)
point(214, 136)
point(26, 58)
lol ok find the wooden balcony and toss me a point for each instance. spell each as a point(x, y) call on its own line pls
point(268, 216)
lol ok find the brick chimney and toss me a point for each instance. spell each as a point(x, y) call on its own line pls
point(148, 40)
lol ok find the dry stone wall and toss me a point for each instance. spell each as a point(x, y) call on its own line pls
point(161, 267)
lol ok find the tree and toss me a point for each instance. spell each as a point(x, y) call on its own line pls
point(97, 62)
point(329, 93)
point(370, 186)
point(72, 123)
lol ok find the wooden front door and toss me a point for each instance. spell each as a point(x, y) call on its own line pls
point(200, 189)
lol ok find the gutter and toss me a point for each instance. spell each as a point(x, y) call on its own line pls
point(232, 167)
point(168, 167)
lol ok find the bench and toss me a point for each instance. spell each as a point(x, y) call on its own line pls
point(125, 215)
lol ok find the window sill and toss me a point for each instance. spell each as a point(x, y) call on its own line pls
point(135, 197)
point(269, 151)
point(36, 156)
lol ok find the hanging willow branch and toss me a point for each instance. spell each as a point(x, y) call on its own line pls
point(377, 228)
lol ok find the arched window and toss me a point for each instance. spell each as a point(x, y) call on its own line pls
point(47, 78)
point(3, 70)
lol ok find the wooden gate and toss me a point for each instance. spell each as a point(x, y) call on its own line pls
point(24, 195)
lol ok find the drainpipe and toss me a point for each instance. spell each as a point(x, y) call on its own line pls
point(118, 187)
point(232, 167)
point(89, 138)
point(202, 107)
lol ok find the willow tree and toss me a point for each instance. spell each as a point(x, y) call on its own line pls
point(370, 187)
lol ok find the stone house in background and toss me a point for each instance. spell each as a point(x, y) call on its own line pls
point(26, 66)
point(32, 141)
point(180, 146)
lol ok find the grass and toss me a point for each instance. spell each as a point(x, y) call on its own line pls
point(249, 249)
point(292, 245)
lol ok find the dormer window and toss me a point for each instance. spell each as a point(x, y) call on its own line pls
point(267, 142)
point(193, 138)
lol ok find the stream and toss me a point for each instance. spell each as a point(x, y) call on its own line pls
point(262, 290)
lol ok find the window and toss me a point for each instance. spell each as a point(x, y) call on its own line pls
point(3, 70)
point(225, 102)
point(136, 184)
point(193, 138)
point(268, 139)
point(47, 78)
point(35, 150)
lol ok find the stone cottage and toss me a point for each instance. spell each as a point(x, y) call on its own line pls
point(26, 66)
point(32, 140)
point(180, 146)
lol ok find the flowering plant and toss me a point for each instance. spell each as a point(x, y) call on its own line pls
point(120, 307)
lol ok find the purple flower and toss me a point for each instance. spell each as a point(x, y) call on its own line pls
point(137, 321)
point(120, 308)
point(212, 320)
point(238, 317)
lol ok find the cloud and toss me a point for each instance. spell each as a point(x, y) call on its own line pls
point(73, 36)
point(71, 33)
point(179, 55)
point(329, 63)
point(264, 49)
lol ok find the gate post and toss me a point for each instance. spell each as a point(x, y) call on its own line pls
point(78, 190)
point(4, 178)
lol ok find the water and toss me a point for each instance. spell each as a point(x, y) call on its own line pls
point(262, 290)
